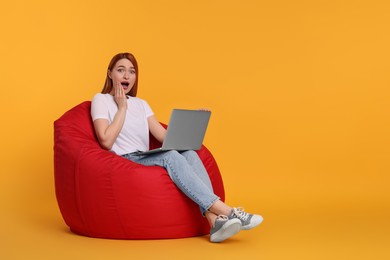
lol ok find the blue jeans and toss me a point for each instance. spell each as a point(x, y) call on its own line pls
point(187, 171)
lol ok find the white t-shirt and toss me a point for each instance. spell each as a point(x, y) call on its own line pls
point(135, 131)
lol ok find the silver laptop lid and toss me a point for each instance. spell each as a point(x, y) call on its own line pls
point(186, 129)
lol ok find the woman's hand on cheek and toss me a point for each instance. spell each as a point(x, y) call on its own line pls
point(120, 96)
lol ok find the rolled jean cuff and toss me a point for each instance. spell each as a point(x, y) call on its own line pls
point(204, 210)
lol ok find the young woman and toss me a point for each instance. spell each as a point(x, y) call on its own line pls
point(122, 123)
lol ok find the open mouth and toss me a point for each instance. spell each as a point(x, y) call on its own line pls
point(125, 85)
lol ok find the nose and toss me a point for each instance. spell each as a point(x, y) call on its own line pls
point(126, 75)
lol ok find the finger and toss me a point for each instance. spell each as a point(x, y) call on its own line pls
point(121, 92)
point(117, 89)
point(114, 85)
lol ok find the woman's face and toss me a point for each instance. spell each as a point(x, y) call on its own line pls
point(123, 74)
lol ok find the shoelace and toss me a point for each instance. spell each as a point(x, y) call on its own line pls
point(222, 217)
point(240, 213)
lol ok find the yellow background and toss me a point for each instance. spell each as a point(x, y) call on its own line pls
point(300, 127)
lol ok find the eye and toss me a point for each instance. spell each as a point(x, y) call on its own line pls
point(120, 70)
point(132, 71)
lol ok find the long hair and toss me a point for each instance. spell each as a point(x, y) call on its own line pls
point(108, 84)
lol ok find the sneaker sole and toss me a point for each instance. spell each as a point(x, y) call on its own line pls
point(229, 229)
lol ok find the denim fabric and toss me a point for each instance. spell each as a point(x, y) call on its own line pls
point(187, 171)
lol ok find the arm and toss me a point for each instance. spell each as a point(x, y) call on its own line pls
point(108, 133)
point(156, 129)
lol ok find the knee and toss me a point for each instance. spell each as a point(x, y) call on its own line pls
point(190, 155)
point(172, 154)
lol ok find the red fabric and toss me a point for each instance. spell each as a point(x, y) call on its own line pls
point(104, 195)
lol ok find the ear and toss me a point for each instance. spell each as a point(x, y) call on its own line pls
point(109, 73)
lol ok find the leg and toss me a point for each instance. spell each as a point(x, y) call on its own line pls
point(182, 175)
point(220, 208)
point(211, 217)
point(197, 165)
point(197, 186)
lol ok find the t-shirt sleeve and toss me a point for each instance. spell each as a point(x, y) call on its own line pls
point(99, 108)
point(148, 109)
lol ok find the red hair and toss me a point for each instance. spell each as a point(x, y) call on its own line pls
point(108, 84)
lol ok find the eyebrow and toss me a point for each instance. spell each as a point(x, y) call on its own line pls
point(121, 66)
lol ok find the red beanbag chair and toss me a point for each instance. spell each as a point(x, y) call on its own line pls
point(103, 195)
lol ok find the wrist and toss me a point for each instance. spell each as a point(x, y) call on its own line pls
point(122, 108)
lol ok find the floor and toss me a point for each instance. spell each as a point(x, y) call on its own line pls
point(337, 231)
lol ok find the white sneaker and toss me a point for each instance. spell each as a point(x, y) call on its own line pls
point(248, 221)
point(224, 228)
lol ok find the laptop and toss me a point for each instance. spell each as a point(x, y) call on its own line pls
point(186, 131)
